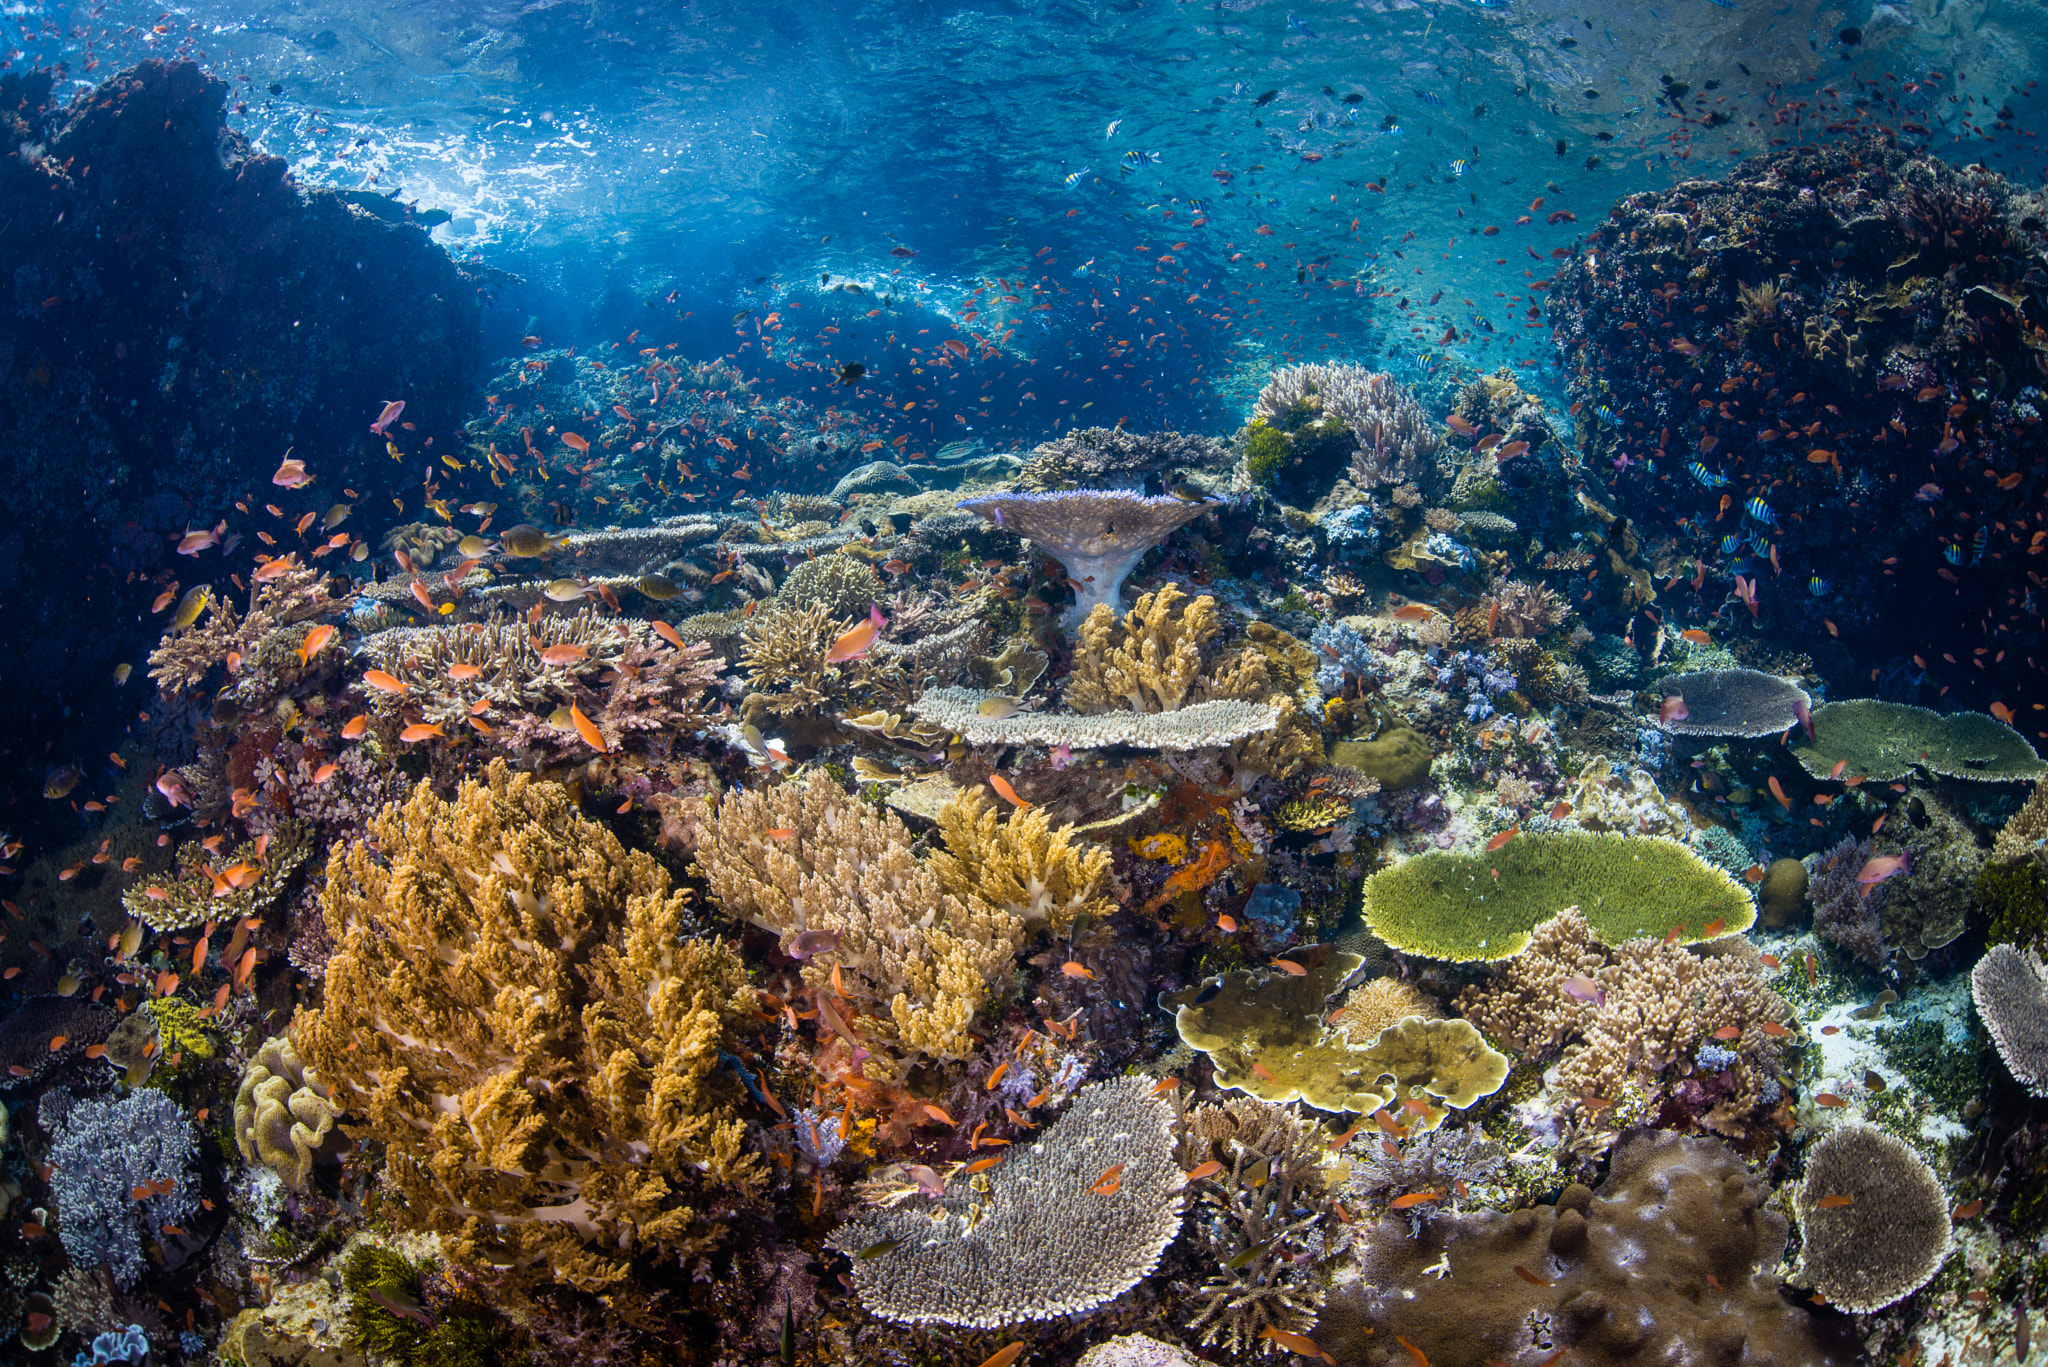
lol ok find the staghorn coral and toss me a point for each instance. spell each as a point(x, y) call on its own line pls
point(1650, 1009)
point(1396, 442)
point(1254, 1219)
point(1889, 1238)
point(1099, 535)
point(839, 584)
point(1041, 875)
point(636, 688)
point(1147, 662)
point(2010, 987)
point(1465, 907)
point(1374, 1005)
point(513, 1013)
point(783, 650)
point(1057, 1228)
point(284, 1118)
point(915, 960)
point(1523, 611)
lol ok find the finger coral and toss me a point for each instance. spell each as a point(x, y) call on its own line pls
point(1041, 875)
point(1149, 660)
point(914, 960)
point(513, 1014)
point(1063, 1226)
point(120, 1170)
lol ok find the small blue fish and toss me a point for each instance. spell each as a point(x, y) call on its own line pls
point(1706, 478)
point(1818, 586)
point(1761, 511)
point(1457, 167)
point(1977, 546)
point(1731, 543)
point(1075, 179)
point(1430, 98)
point(1607, 415)
point(1952, 553)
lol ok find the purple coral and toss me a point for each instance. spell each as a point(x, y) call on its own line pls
point(1846, 911)
point(1098, 534)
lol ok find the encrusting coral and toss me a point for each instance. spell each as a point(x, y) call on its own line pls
point(514, 1015)
point(913, 960)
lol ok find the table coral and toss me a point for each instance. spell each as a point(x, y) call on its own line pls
point(514, 1016)
point(1056, 1228)
point(1874, 1217)
point(1471, 906)
point(1099, 535)
point(914, 960)
point(1883, 741)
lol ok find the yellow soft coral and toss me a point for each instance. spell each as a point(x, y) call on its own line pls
point(1039, 874)
point(515, 1014)
point(910, 953)
point(1148, 661)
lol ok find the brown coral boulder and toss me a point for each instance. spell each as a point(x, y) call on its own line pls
point(1783, 892)
point(1673, 1259)
point(1398, 757)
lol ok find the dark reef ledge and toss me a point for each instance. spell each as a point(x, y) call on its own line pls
point(179, 312)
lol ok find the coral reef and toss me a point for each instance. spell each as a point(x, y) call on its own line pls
point(1062, 1225)
point(913, 961)
point(494, 949)
point(961, 711)
point(1038, 873)
point(1733, 702)
point(1883, 741)
point(122, 1171)
point(1395, 441)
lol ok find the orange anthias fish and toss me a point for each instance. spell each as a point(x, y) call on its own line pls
point(382, 682)
point(587, 729)
point(1296, 1343)
point(419, 731)
point(1006, 792)
point(855, 643)
point(1500, 841)
point(316, 640)
point(1410, 612)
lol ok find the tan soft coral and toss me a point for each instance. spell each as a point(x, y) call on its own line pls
point(515, 1014)
point(1146, 662)
point(912, 957)
point(1039, 873)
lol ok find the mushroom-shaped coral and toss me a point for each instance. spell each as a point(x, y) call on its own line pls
point(2010, 987)
point(283, 1117)
point(1098, 534)
point(1882, 741)
point(1063, 1226)
point(1466, 907)
point(1874, 1217)
point(1733, 702)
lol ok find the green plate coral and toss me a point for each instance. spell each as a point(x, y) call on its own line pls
point(1882, 741)
point(1468, 907)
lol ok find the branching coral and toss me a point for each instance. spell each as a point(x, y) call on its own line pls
point(1056, 1228)
point(1395, 439)
point(298, 594)
point(1041, 875)
point(1523, 611)
point(784, 649)
point(1149, 660)
point(514, 1014)
point(914, 960)
point(1640, 1013)
point(1255, 1219)
point(633, 686)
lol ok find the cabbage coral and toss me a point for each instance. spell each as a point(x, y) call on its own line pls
point(515, 1016)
